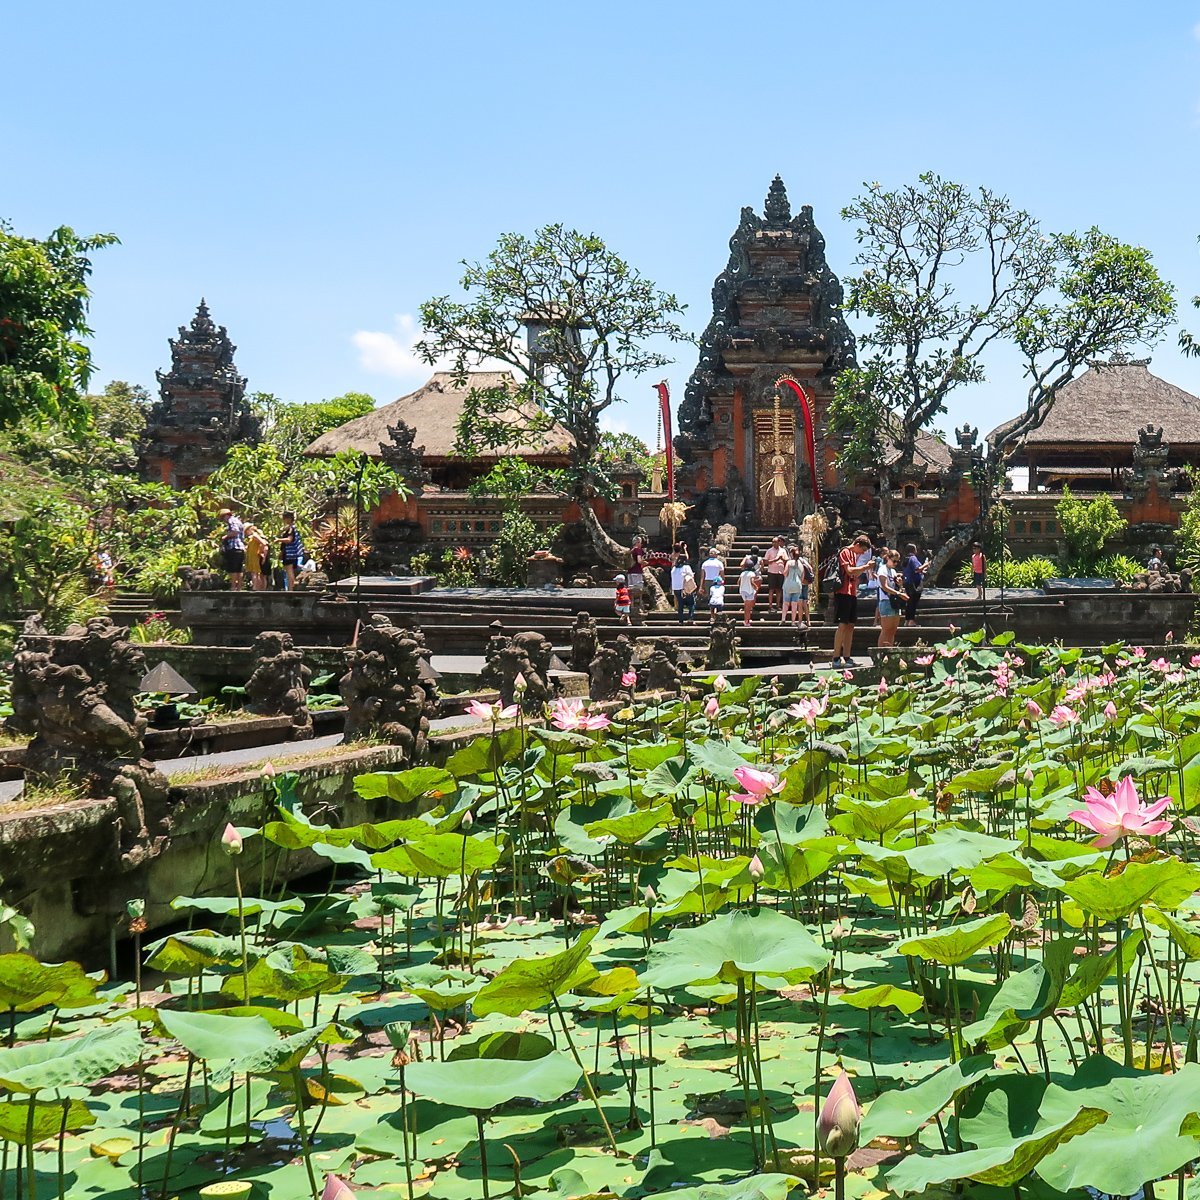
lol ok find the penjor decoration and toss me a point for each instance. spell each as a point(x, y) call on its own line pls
point(810, 443)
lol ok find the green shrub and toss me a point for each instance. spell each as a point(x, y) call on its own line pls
point(1018, 573)
point(518, 538)
point(1086, 526)
point(1120, 567)
point(159, 576)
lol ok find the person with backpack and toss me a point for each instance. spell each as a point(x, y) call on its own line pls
point(291, 549)
point(845, 599)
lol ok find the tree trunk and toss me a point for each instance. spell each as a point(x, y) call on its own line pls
point(608, 550)
point(959, 541)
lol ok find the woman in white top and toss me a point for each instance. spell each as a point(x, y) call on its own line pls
point(748, 590)
point(683, 584)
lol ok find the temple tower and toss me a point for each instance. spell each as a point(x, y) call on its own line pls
point(776, 310)
point(201, 411)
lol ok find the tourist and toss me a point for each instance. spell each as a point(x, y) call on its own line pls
point(258, 556)
point(621, 600)
point(637, 577)
point(914, 580)
point(291, 548)
point(867, 561)
point(978, 568)
point(1156, 560)
point(233, 547)
point(797, 577)
point(891, 597)
point(683, 585)
point(775, 562)
point(748, 585)
point(845, 599)
point(716, 598)
point(712, 570)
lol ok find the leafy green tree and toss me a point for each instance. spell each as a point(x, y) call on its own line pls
point(624, 447)
point(292, 427)
point(946, 274)
point(44, 362)
point(594, 316)
point(1087, 526)
point(119, 412)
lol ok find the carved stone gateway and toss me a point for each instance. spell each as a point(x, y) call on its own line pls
point(76, 695)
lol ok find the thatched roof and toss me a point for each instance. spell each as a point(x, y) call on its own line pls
point(434, 411)
point(1109, 403)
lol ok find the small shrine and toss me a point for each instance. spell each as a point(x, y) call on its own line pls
point(202, 409)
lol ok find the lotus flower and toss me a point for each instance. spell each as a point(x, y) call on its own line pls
point(337, 1189)
point(467, 820)
point(883, 685)
point(712, 707)
point(1194, 661)
point(808, 710)
point(268, 770)
point(1122, 813)
point(650, 896)
point(231, 841)
point(628, 678)
point(758, 785)
point(923, 660)
point(756, 869)
point(1138, 652)
point(1062, 715)
point(1110, 711)
point(520, 684)
point(847, 675)
point(490, 712)
point(840, 1118)
point(1160, 665)
point(1034, 709)
point(570, 715)
point(720, 684)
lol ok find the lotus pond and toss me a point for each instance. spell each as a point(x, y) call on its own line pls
point(624, 959)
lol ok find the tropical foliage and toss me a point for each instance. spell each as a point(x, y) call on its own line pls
point(680, 948)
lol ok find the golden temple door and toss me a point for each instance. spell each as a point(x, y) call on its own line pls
point(775, 466)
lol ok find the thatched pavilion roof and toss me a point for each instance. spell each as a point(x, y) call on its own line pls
point(434, 410)
point(1110, 402)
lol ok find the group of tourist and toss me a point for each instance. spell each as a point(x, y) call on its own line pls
point(246, 552)
point(880, 580)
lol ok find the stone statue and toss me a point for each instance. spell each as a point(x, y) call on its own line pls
point(279, 684)
point(611, 662)
point(1150, 454)
point(664, 667)
point(201, 579)
point(407, 460)
point(76, 695)
point(385, 690)
point(966, 437)
point(724, 652)
point(584, 636)
point(736, 492)
point(524, 654)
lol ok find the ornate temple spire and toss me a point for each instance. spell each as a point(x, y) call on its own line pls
point(778, 208)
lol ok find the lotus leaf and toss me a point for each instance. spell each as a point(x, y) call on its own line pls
point(734, 946)
point(49, 1118)
point(884, 995)
point(36, 1066)
point(527, 984)
point(953, 946)
point(27, 985)
point(1167, 882)
point(439, 856)
point(902, 1112)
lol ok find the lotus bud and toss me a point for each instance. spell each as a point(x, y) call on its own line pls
point(883, 685)
point(1170, 635)
point(628, 679)
point(337, 1189)
point(720, 684)
point(756, 869)
point(1110, 711)
point(467, 820)
point(712, 708)
point(650, 896)
point(519, 684)
point(268, 771)
point(838, 1124)
point(1027, 775)
point(231, 841)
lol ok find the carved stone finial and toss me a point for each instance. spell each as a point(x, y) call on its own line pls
point(778, 207)
point(966, 436)
point(403, 457)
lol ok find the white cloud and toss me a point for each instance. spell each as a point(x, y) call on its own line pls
point(393, 354)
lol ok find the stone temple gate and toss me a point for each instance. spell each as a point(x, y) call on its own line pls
point(751, 450)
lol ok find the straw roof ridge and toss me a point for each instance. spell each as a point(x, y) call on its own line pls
point(1109, 403)
point(434, 411)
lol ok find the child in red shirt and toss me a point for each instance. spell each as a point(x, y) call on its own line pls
point(621, 600)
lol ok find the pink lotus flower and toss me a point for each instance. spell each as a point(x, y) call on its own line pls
point(1110, 711)
point(1174, 677)
point(268, 770)
point(569, 715)
point(755, 869)
point(231, 841)
point(712, 707)
point(839, 1120)
point(1194, 661)
point(883, 685)
point(847, 675)
point(1122, 813)
point(1062, 715)
point(720, 684)
point(923, 660)
point(491, 712)
point(758, 785)
point(337, 1189)
point(628, 678)
point(1138, 652)
point(808, 709)
point(1160, 665)
point(1170, 635)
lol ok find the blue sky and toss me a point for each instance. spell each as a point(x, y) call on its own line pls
point(316, 171)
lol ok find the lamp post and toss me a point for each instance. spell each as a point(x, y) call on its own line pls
point(979, 478)
point(358, 478)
